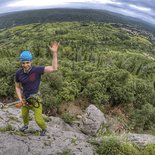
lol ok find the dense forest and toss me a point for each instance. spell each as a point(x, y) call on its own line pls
point(65, 15)
point(98, 64)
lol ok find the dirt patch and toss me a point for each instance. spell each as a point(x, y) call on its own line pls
point(73, 108)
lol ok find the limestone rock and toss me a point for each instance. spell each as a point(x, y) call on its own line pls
point(141, 140)
point(61, 137)
point(91, 120)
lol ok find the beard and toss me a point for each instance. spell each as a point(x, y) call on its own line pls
point(27, 70)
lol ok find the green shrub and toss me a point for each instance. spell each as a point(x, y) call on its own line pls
point(144, 118)
point(143, 92)
point(149, 150)
point(68, 118)
point(114, 146)
point(66, 152)
point(8, 127)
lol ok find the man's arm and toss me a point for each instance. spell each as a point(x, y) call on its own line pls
point(54, 51)
point(18, 91)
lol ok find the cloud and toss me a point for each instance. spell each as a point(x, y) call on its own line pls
point(142, 9)
point(31, 3)
point(139, 3)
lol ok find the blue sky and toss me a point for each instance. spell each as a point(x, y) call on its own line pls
point(143, 9)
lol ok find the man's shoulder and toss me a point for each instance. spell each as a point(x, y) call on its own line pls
point(38, 69)
point(19, 70)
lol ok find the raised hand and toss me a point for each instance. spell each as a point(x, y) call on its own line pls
point(54, 46)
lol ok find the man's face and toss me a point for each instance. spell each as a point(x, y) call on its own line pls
point(26, 65)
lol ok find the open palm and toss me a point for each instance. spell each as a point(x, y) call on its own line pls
point(54, 46)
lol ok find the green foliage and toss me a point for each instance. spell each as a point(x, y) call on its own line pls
point(114, 146)
point(144, 118)
point(149, 150)
point(118, 86)
point(97, 61)
point(111, 86)
point(143, 92)
point(67, 117)
point(8, 127)
point(7, 73)
point(68, 91)
point(66, 152)
point(51, 86)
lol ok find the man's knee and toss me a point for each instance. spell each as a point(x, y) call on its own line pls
point(40, 121)
point(25, 113)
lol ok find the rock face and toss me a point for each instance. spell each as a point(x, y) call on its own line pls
point(54, 144)
point(141, 140)
point(91, 121)
point(61, 137)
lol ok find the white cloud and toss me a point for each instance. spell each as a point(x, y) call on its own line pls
point(144, 9)
point(102, 1)
point(138, 15)
point(39, 3)
point(28, 3)
point(107, 2)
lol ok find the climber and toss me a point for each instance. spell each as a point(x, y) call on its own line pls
point(27, 83)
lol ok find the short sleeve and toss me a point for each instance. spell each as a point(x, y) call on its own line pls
point(17, 77)
point(40, 69)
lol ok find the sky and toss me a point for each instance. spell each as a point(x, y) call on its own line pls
point(142, 9)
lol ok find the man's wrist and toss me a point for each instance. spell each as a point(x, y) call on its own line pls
point(20, 99)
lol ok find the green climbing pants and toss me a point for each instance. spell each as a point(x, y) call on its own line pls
point(37, 114)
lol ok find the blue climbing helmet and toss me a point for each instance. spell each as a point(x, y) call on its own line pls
point(25, 56)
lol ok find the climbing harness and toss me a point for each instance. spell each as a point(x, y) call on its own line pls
point(34, 100)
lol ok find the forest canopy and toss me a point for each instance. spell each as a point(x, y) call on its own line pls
point(98, 62)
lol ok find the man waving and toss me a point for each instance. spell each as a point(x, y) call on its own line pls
point(27, 83)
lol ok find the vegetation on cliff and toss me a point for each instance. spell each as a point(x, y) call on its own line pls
point(98, 63)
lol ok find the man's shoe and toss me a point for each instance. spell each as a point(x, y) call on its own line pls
point(23, 128)
point(43, 132)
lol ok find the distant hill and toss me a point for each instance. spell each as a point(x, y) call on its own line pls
point(83, 15)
